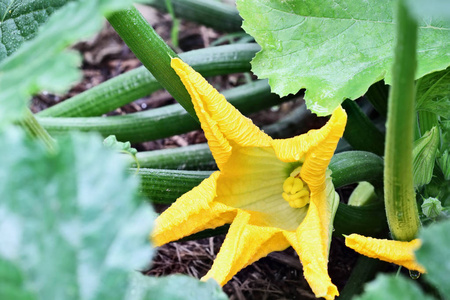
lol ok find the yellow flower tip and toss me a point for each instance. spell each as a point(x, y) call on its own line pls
point(397, 252)
point(177, 64)
point(332, 293)
point(340, 115)
point(224, 126)
point(158, 236)
point(210, 276)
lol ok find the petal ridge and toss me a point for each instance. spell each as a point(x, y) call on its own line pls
point(244, 244)
point(397, 252)
point(191, 213)
point(221, 122)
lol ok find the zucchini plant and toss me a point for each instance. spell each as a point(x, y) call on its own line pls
point(74, 212)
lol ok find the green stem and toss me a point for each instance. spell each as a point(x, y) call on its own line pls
point(192, 157)
point(165, 186)
point(400, 200)
point(34, 129)
point(152, 51)
point(139, 82)
point(212, 14)
point(360, 132)
point(164, 121)
point(175, 24)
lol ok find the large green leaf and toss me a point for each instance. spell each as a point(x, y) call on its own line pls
point(41, 63)
point(334, 49)
point(429, 8)
point(176, 287)
point(434, 254)
point(390, 287)
point(71, 225)
point(433, 93)
point(20, 19)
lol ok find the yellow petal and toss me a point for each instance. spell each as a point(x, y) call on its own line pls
point(295, 148)
point(312, 239)
point(316, 148)
point(244, 244)
point(397, 252)
point(252, 180)
point(191, 213)
point(221, 122)
point(318, 159)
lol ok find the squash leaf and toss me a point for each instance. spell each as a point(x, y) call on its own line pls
point(436, 248)
point(20, 20)
point(71, 224)
point(334, 49)
point(42, 62)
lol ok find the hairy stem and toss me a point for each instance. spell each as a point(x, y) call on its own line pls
point(152, 51)
point(34, 129)
point(400, 201)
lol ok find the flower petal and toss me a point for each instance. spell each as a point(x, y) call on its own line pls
point(191, 213)
point(316, 147)
point(397, 252)
point(221, 122)
point(317, 161)
point(312, 240)
point(244, 244)
point(252, 180)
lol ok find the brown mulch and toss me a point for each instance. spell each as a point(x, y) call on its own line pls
point(278, 276)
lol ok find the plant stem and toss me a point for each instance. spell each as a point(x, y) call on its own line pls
point(163, 121)
point(400, 201)
point(191, 157)
point(139, 82)
point(175, 24)
point(212, 14)
point(152, 51)
point(34, 129)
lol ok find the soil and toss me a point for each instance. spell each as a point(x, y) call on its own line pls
point(278, 276)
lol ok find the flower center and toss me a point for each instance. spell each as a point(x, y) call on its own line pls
point(296, 191)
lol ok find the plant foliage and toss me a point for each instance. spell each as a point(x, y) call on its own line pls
point(334, 49)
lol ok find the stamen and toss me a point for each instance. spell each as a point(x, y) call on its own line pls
point(296, 191)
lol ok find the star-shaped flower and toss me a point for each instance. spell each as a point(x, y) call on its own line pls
point(275, 193)
point(397, 252)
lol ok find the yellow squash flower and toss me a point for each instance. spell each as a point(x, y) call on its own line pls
point(397, 252)
point(275, 193)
